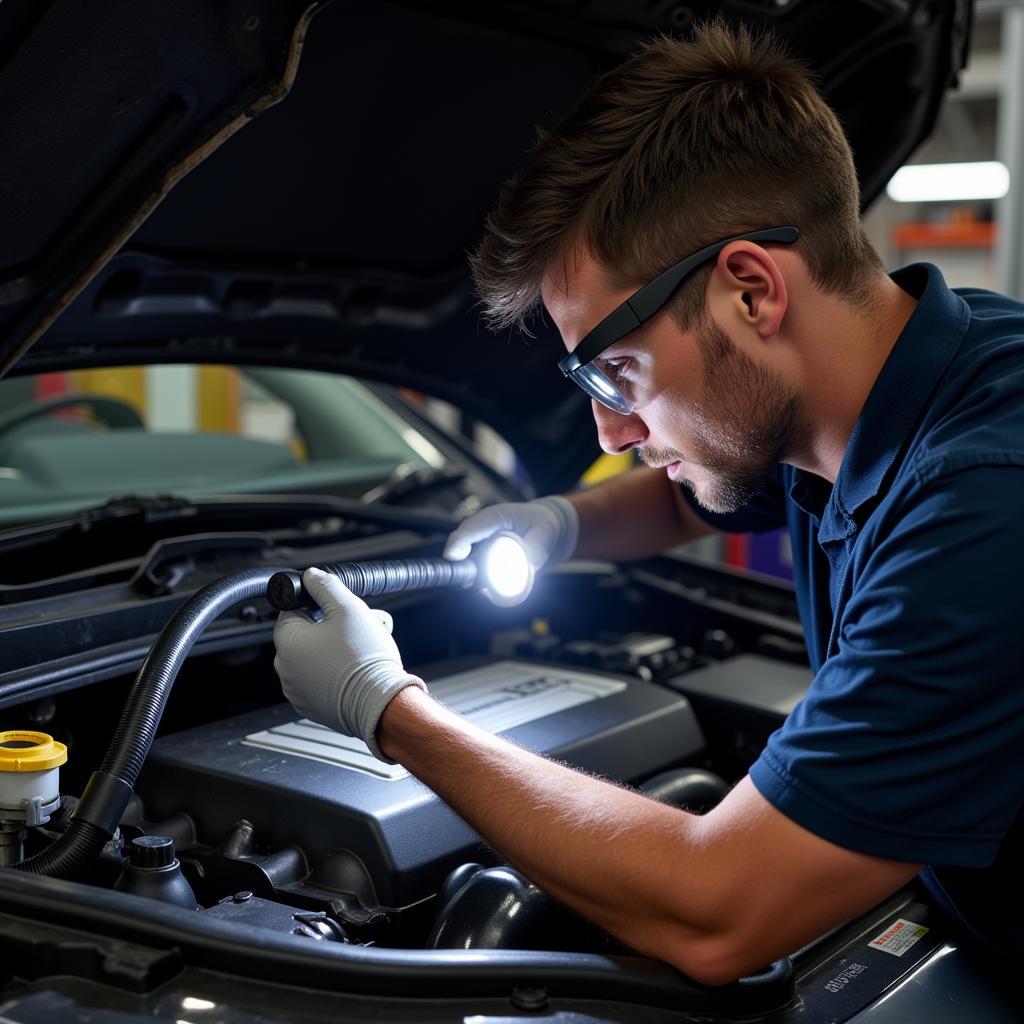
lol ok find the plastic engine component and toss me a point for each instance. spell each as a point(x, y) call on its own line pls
point(301, 784)
point(29, 776)
point(152, 870)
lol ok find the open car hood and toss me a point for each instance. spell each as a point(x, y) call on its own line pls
point(142, 226)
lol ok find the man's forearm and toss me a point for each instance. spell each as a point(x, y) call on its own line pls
point(716, 896)
point(585, 841)
point(635, 515)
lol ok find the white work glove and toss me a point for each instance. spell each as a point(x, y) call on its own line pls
point(343, 671)
point(549, 528)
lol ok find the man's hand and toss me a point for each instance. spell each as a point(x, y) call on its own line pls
point(343, 671)
point(549, 528)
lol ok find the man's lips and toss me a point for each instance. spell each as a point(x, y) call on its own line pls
point(670, 467)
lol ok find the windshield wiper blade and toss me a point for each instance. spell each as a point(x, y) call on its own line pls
point(145, 509)
point(149, 508)
point(253, 509)
point(407, 480)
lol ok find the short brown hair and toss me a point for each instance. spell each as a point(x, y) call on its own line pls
point(681, 145)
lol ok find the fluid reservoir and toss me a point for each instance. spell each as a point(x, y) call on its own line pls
point(29, 786)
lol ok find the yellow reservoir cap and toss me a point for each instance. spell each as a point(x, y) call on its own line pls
point(25, 751)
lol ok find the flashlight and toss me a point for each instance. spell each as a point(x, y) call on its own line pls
point(499, 567)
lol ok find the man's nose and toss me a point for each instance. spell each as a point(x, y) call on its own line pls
point(618, 433)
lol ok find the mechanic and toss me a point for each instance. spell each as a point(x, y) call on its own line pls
point(787, 381)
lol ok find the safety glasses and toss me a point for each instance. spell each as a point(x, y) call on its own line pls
point(579, 365)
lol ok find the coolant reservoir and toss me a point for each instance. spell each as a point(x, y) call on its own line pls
point(29, 786)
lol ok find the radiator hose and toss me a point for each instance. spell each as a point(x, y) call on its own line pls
point(103, 802)
point(108, 791)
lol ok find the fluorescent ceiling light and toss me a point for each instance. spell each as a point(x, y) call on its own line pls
point(922, 183)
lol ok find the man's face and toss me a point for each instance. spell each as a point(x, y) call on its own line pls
point(714, 418)
point(741, 426)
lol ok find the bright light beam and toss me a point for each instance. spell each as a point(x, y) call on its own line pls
point(507, 572)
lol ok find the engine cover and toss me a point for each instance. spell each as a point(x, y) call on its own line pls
point(299, 783)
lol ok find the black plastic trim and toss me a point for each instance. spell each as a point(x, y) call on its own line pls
point(266, 956)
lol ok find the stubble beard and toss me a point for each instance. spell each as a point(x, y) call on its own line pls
point(747, 420)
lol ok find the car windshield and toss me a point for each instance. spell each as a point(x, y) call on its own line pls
point(75, 439)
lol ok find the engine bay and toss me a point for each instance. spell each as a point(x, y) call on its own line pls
point(247, 817)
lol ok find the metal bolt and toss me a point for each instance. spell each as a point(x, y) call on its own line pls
point(529, 998)
point(249, 613)
point(309, 917)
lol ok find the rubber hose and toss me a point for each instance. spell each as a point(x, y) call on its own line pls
point(80, 845)
point(693, 789)
point(370, 579)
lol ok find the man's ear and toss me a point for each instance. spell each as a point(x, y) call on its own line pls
point(753, 287)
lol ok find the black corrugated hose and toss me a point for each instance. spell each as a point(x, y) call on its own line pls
point(106, 796)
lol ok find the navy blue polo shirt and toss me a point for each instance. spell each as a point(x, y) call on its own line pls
point(909, 576)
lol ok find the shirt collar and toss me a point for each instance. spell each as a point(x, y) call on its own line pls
point(900, 393)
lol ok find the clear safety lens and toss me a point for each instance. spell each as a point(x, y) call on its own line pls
point(598, 386)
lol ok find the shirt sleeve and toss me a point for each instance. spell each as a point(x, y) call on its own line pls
point(765, 511)
point(910, 742)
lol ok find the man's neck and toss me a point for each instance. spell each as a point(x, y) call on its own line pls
point(844, 349)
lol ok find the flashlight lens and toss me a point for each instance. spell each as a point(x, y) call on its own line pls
point(507, 568)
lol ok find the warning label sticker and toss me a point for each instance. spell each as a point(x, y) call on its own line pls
point(899, 937)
